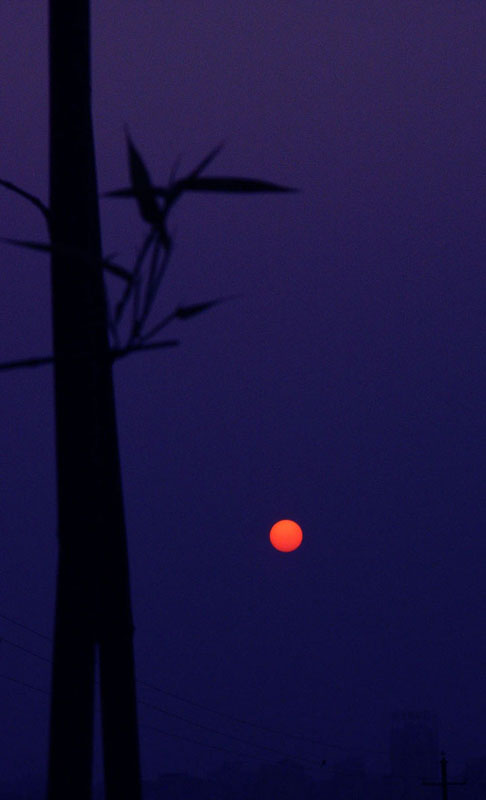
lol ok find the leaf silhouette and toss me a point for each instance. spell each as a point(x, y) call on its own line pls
point(176, 188)
point(233, 185)
point(26, 362)
point(141, 184)
point(216, 184)
point(117, 353)
point(45, 247)
point(122, 193)
point(115, 269)
point(36, 201)
point(42, 246)
point(185, 312)
point(145, 192)
point(207, 160)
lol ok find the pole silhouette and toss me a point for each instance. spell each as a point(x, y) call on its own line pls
point(93, 610)
point(443, 783)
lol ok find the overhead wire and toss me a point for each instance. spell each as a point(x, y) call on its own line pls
point(25, 627)
point(24, 649)
point(245, 756)
point(168, 713)
point(23, 683)
point(196, 704)
point(227, 735)
point(242, 721)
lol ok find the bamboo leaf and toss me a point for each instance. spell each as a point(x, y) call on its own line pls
point(115, 269)
point(42, 246)
point(139, 173)
point(119, 193)
point(233, 185)
point(136, 348)
point(186, 312)
point(154, 191)
point(36, 201)
point(216, 184)
point(141, 184)
point(156, 345)
point(45, 247)
point(174, 168)
point(26, 362)
point(206, 161)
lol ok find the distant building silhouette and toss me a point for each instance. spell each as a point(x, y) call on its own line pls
point(178, 786)
point(285, 781)
point(414, 753)
point(475, 774)
point(349, 779)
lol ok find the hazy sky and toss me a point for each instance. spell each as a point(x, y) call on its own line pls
point(344, 389)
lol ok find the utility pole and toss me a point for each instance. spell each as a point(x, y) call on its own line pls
point(93, 599)
point(443, 783)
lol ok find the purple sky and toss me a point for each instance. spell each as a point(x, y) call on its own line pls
point(344, 389)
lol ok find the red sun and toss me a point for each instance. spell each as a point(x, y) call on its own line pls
point(286, 535)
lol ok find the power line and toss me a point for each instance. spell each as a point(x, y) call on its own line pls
point(230, 717)
point(228, 735)
point(181, 718)
point(24, 649)
point(21, 625)
point(222, 714)
point(194, 703)
point(246, 756)
point(185, 719)
point(185, 738)
point(256, 725)
point(23, 683)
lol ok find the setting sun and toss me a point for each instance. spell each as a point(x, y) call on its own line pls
point(286, 535)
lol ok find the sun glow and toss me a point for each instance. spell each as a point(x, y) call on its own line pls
point(286, 535)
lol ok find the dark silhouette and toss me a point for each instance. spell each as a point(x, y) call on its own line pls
point(93, 599)
point(443, 783)
point(246, 777)
point(93, 609)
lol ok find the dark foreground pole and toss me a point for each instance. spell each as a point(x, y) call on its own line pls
point(444, 783)
point(93, 597)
